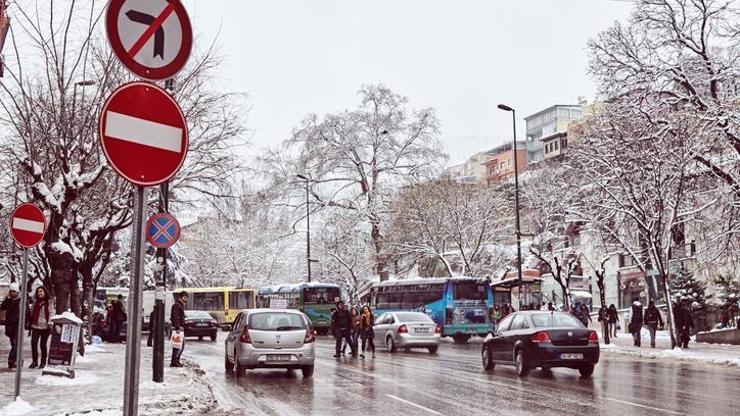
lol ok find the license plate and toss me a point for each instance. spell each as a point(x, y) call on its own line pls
point(201, 325)
point(278, 357)
point(571, 356)
point(421, 330)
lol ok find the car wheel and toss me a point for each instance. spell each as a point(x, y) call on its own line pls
point(546, 369)
point(307, 371)
point(238, 369)
point(213, 337)
point(586, 370)
point(200, 338)
point(390, 345)
point(522, 366)
point(228, 365)
point(433, 349)
point(487, 357)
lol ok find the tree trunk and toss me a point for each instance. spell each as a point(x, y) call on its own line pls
point(669, 304)
point(380, 261)
point(602, 311)
point(88, 292)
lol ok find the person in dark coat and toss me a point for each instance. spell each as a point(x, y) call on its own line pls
point(177, 320)
point(367, 321)
point(652, 320)
point(11, 305)
point(612, 317)
point(342, 323)
point(116, 317)
point(40, 329)
point(636, 321)
point(684, 323)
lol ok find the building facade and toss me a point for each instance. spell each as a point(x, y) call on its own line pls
point(500, 166)
point(549, 127)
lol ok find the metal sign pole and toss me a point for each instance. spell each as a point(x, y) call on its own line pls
point(21, 325)
point(133, 333)
point(159, 307)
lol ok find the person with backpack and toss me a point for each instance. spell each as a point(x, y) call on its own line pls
point(652, 319)
point(636, 321)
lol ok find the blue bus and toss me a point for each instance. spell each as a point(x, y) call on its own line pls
point(313, 299)
point(460, 305)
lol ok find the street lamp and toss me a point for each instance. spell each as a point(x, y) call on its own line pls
point(308, 226)
point(516, 203)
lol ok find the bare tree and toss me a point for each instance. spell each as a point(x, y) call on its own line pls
point(356, 158)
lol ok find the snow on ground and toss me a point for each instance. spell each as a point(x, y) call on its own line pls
point(81, 379)
point(17, 408)
point(719, 354)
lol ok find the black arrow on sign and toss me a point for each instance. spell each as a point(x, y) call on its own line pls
point(147, 19)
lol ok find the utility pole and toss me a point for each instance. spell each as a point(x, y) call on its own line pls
point(516, 204)
point(308, 226)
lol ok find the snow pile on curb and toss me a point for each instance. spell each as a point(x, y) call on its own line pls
point(17, 408)
point(675, 354)
point(81, 378)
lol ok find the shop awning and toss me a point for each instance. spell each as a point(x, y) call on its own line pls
point(580, 294)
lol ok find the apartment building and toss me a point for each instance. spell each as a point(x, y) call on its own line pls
point(547, 131)
point(472, 171)
point(500, 166)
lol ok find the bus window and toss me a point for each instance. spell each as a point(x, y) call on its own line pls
point(320, 295)
point(239, 300)
point(206, 301)
point(469, 291)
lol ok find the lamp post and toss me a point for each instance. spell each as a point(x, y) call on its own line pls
point(516, 203)
point(308, 227)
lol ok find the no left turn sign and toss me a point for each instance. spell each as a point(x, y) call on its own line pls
point(152, 38)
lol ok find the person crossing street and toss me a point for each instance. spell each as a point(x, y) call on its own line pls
point(341, 321)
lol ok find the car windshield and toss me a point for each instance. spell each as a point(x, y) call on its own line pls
point(197, 315)
point(276, 321)
point(413, 317)
point(555, 320)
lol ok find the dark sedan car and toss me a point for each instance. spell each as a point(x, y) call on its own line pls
point(200, 324)
point(544, 339)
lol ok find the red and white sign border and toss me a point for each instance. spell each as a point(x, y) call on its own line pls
point(101, 134)
point(152, 74)
point(10, 225)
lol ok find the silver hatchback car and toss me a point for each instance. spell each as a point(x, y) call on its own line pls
point(270, 338)
point(407, 330)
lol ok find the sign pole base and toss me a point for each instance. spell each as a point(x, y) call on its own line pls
point(21, 326)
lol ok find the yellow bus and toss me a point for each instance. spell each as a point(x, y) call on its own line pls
point(223, 303)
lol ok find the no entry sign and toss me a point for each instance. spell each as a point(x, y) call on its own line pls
point(27, 225)
point(143, 133)
point(162, 230)
point(152, 38)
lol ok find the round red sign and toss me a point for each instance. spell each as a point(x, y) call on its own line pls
point(162, 230)
point(27, 225)
point(152, 38)
point(143, 133)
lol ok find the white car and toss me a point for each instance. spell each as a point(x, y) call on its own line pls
point(407, 330)
point(270, 338)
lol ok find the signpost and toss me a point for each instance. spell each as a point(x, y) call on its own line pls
point(27, 226)
point(162, 230)
point(152, 38)
point(144, 136)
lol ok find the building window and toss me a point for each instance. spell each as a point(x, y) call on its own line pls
point(501, 165)
point(556, 145)
point(564, 144)
point(547, 148)
point(509, 162)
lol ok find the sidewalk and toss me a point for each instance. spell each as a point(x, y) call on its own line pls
point(719, 354)
point(98, 387)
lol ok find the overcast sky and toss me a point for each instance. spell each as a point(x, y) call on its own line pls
point(461, 57)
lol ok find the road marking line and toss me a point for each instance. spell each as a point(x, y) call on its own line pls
point(434, 412)
point(28, 225)
point(144, 38)
point(144, 132)
point(643, 406)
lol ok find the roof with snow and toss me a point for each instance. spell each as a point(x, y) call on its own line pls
point(293, 287)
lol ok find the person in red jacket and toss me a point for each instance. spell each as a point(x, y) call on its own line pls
point(39, 325)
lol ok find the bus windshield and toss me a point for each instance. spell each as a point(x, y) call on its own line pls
point(470, 291)
point(320, 295)
point(206, 301)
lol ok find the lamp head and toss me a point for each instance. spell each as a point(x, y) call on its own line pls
point(505, 107)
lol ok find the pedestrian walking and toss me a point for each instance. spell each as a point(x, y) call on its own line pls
point(584, 315)
point(636, 321)
point(11, 305)
point(150, 337)
point(550, 306)
point(652, 320)
point(496, 314)
point(116, 317)
point(684, 323)
point(367, 321)
point(177, 321)
point(40, 328)
point(355, 331)
point(612, 320)
point(342, 323)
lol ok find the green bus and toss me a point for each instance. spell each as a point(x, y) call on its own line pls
point(313, 299)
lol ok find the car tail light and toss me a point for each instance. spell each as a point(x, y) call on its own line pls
point(438, 329)
point(245, 336)
point(309, 337)
point(403, 329)
point(448, 316)
point(541, 337)
point(593, 337)
point(214, 322)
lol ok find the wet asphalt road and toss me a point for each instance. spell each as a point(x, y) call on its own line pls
point(452, 382)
